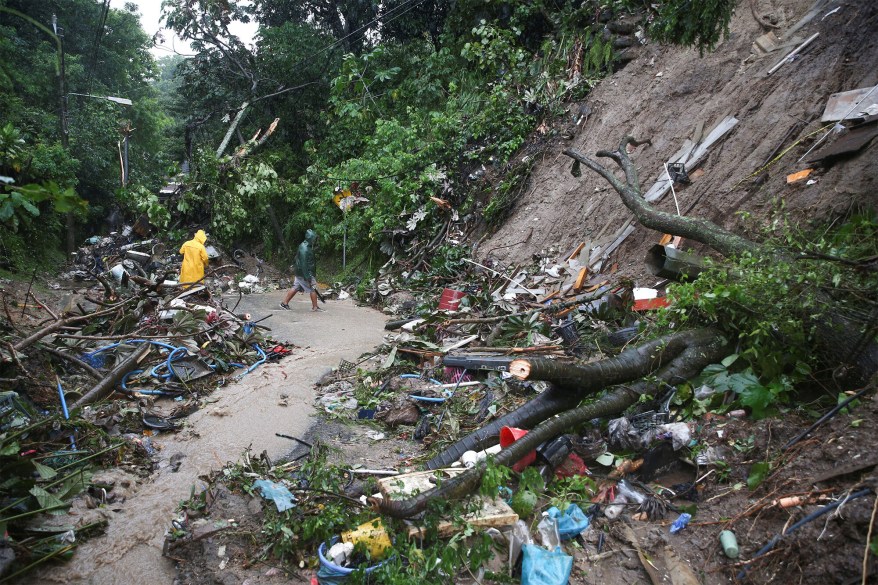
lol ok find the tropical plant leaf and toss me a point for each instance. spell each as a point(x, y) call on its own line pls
point(391, 357)
point(758, 473)
point(45, 471)
point(47, 500)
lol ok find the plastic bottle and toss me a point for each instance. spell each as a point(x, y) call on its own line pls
point(548, 531)
point(617, 507)
point(729, 543)
point(623, 488)
point(680, 523)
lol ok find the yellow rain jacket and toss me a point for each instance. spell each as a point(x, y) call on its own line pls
point(194, 259)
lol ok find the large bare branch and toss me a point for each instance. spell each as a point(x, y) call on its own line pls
point(699, 230)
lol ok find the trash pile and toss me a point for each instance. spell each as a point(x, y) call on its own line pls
point(516, 446)
point(93, 375)
point(129, 253)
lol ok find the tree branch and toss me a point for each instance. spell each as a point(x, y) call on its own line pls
point(700, 230)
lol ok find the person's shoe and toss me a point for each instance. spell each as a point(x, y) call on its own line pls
point(285, 306)
point(318, 310)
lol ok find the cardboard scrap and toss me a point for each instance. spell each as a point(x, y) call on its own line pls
point(766, 43)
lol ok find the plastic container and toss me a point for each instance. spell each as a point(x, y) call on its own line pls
point(373, 535)
point(548, 531)
point(509, 435)
point(680, 523)
point(668, 262)
point(450, 299)
point(327, 566)
point(615, 509)
point(729, 543)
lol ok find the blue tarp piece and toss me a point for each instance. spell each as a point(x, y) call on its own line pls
point(545, 567)
point(571, 522)
point(280, 495)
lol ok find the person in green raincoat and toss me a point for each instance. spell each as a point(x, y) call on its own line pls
point(194, 259)
point(306, 269)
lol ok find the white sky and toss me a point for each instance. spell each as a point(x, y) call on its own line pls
point(150, 13)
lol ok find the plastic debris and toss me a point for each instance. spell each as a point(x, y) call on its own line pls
point(544, 567)
point(279, 494)
point(571, 522)
point(729, 543)
point(548, 531)
point(680, 523)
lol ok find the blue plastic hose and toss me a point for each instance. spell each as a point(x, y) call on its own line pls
point(448, 392)
point(257, 363)
point(66, 412)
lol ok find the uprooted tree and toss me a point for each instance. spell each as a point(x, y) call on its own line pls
point(833, 330)
point(670, 359)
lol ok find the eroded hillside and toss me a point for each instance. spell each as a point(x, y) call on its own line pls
point(669, 95)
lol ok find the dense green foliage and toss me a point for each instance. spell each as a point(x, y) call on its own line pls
point(100, 54)
point(772, 302)
point(690, 24)
point(396, 121)
point(397, 102)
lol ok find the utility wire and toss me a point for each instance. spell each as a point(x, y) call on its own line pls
point(102, 21)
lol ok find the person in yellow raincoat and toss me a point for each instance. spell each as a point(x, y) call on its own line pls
point(194, 259)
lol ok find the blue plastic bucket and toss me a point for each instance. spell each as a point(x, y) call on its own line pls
point(325, 562)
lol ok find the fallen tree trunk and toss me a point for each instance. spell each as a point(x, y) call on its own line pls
point(572, 383)
point(843, 343)
point(105, 387)
point(73, 360)
point(702, 348)
point(57, 325)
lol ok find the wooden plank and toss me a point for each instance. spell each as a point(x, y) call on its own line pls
point(691, 159)
point(576, 252)
point(460, 343)
point(849, 103)
point(399, 487)
point(580, 279)
point(492, 514)
point(550, 297)
point(626, 231)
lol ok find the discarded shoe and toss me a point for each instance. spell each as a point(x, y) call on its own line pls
point(285, 306)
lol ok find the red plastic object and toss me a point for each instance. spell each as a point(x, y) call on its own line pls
point(573, 465)
point(509, 435)
point(651, 304)
point(450, 299)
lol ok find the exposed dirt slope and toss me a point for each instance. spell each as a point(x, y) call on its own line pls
point(666, 92)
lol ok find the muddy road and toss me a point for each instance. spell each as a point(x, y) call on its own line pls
point(274, 398)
